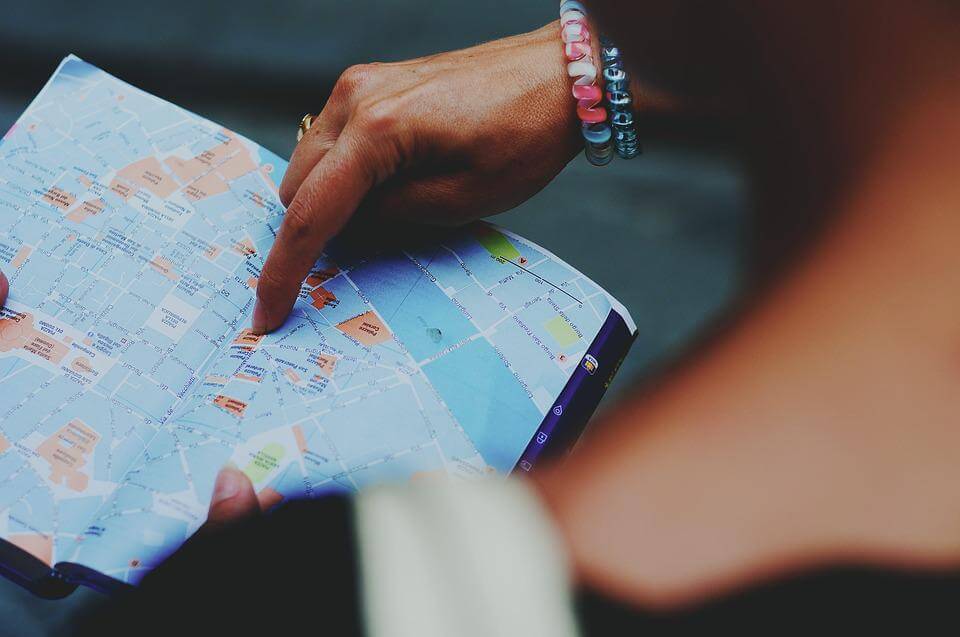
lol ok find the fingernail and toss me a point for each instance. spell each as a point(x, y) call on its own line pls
point(228, 484)
point(259, 325)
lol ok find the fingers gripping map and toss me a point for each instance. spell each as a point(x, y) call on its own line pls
point(133, 234)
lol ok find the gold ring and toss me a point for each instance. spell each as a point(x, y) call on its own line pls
point(305, 125)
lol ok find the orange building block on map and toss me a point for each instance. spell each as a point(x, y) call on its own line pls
point(326, 363)
point(59, 197)
point(366, 328)
point(17, 332)
point(22, 254)
point(230, 405)
point(320, 297)
point(147, 173)
point(247, 340)
point(67, 451)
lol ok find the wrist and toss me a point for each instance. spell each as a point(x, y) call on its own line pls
point(547, 57)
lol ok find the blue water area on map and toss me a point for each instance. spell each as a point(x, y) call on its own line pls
point(451, 440)
point(488, 402)
point(413, 306)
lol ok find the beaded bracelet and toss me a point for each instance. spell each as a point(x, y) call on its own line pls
point(619, 101)
point(597, 135)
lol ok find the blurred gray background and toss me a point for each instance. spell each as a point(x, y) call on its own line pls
point(664, 233)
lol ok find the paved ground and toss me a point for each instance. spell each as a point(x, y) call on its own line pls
point(663, 233)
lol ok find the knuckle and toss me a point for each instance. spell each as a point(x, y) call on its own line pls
point(352, 79)
point(380, 117)
point(267, 286)
point(270, 286)
point(287, 191)
point(296, 221)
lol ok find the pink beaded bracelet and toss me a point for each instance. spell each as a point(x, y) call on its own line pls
point(578, 48)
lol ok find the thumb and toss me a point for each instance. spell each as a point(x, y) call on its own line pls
point(233, 498)
point(4, 288)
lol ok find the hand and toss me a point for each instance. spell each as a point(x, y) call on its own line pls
point(234, 499)
point(444, 139)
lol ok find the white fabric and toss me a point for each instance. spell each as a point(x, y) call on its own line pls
point(466, 559)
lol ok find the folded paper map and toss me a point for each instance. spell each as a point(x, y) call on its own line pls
point(133, 233)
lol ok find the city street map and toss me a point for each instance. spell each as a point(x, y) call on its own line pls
point(133, 234)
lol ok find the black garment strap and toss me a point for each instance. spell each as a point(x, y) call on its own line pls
point(292, 570)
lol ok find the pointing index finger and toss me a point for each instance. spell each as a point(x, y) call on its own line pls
point(324, 202)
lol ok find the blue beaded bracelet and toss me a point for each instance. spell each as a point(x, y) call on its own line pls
point(619, 101)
